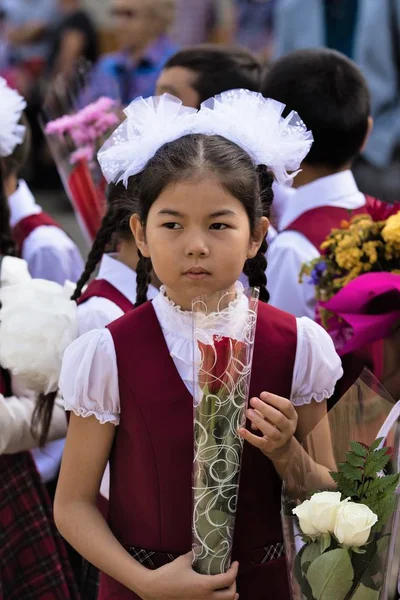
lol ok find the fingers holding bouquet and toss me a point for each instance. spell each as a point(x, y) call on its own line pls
point(275, 420)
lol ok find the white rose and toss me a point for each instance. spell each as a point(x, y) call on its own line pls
point(354, 523)
point(37, 323)
point(318, 515)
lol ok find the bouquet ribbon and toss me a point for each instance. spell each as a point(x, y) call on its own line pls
point(364, 311)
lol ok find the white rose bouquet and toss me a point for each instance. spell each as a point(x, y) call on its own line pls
point(338, 543)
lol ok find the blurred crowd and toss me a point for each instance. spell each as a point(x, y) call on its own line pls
point(40, 39)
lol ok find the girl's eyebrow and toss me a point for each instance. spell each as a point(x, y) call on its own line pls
point(170, 212)
point(220, 213)
point(223, 213)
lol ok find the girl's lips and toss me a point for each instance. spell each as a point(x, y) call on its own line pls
point(195, 276)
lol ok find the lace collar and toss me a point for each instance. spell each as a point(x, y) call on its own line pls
point(180, 323)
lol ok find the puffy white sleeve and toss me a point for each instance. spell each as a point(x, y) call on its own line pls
point(89, 377)
point(317, 366)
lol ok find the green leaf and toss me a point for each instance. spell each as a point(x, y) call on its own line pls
point(375, 445)
point(354, 460)
point(325, 542)
point(365, 593)
point(331, 575)
point(358, 449)
point(310, 553)
point(351, 473)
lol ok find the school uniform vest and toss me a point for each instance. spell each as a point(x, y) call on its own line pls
point(26, 226)
point(100, 288)
point(316, 224)
point(152, 456)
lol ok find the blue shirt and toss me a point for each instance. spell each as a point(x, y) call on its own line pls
point(132, 79)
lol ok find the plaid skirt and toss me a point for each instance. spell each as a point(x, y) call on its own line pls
point(33, 560)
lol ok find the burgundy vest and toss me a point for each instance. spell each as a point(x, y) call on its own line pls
point(25, 227)
point(100, 288)
point(317, 223)
point(151, 461)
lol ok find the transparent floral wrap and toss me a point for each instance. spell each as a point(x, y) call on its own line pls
point(337, 564)
point(224, 334)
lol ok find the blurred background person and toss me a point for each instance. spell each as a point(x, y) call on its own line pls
point(144, 45)
point(200, 72)
point(199, 21)
point(255, 25)
point(369, 33)
point(28, 25)
point(74, 36)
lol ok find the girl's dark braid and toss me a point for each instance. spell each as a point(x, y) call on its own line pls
point(7, 244)
point(41, 418)
point(143, 278)
point(255, 268)
point(109, 225)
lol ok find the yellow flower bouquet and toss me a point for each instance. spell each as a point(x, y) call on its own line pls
point(357, 281)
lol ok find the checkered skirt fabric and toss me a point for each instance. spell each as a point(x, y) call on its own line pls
point(33, 559)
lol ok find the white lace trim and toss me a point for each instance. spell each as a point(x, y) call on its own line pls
point(178, 323)
point(314, 396)
point(102, 417)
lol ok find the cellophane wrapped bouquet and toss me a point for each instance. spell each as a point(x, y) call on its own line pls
point(340, 503)
point(357, 287)
point(76, 122)
point(224, 330)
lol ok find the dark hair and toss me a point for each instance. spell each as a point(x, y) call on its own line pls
point(218, 69)
point(7, 244)
point(331, 96)
point(16, 161)
point(181, 160)
point(114, 227)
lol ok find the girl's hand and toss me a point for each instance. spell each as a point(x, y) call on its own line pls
point(178, 581)
point(276, 419)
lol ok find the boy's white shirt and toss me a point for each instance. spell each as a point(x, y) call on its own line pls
point(291, 249)
point(48, 250)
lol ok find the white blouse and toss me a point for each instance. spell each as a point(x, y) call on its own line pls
point(89, 376)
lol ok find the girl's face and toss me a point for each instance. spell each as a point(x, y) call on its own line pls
point(198, 238)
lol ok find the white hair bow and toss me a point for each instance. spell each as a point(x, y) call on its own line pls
point(12, 106)
point(246, 118)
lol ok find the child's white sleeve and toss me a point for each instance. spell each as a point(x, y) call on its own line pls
point(89, 377)
point(317, 366)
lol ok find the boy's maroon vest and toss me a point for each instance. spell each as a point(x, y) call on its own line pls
point(100, 288)
point(26, 226)
point(316, 225)
point(151, 461)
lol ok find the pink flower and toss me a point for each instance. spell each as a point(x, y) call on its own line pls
point(60, 126)
point(85, 153)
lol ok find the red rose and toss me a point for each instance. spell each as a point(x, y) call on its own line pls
point(221, 362)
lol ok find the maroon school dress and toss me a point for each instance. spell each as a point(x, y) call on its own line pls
point(151, 461)
point(316, 224)
point(33, 559)
point(26, 226)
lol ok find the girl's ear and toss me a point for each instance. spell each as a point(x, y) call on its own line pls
point(139, 234)
point(258, 236)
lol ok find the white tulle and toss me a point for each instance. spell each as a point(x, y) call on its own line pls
point(12, 106)
point(89, 379)
point(256, 124)
point(246, 118)
point(37, 323)
point(150, 123)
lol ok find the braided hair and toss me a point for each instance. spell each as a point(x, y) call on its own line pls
point(114, 226)
point(255, 268)
point(195, 154)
